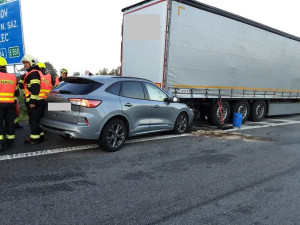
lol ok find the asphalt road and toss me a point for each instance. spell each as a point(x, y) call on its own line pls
point(251, 176)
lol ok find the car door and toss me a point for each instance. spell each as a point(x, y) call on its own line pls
point(163, 114)
point(135, 106)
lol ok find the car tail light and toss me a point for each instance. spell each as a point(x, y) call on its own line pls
point(87, 121)
point(85, 102)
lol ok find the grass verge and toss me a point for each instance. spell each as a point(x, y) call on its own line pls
point(23, 111)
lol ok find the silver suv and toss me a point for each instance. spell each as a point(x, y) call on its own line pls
point(110, 109)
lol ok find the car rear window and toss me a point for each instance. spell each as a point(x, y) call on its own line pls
point(78, 86)
point(114, 88)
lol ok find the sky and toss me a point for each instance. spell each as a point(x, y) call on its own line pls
point(86, 35)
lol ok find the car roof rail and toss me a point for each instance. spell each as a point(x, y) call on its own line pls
point(135, 78)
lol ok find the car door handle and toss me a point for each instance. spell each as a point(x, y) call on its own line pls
point(157, 106)
point(128, 105)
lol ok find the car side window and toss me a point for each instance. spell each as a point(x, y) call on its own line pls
point(155, 94)
point(132, 89)
point(114, 88)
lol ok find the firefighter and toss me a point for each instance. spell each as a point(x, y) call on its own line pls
point(49, 83)
point(47, 77)
point(63, 74)
point(35, 94)
point(8, 87)
point(54, 79)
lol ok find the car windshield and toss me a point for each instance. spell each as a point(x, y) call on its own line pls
point(78, 86)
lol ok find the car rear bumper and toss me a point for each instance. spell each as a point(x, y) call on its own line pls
point(70, 130)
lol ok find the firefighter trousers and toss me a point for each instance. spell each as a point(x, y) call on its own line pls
point(35, 114)
point(7, 126)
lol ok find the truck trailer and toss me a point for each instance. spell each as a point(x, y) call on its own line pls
point(203, 54)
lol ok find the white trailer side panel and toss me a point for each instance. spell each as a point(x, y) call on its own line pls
point(210, 50)
point(144, 34)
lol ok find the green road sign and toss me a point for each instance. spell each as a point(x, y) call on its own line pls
point(14, 52)
point(2, 1)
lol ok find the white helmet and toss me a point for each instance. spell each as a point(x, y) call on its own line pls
point(31, 59)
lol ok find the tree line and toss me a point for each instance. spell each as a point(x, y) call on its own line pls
point(104, 71)
point(54, 73)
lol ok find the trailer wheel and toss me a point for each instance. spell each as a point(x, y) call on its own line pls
point(258, 111)
point(215, 118)
point(242, 107)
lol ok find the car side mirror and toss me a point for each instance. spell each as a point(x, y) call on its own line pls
point(167, 100)
point(175, 99)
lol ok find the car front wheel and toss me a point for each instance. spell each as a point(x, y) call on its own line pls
point(181, 124)
point(113, 136)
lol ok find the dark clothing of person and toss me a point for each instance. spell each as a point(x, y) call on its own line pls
point(7, 117)
point(7, 125)
point(33, 83)
point(35, 114)
point(61, 79)
point(43, 71)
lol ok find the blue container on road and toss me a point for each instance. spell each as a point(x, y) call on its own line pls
point(237, 120)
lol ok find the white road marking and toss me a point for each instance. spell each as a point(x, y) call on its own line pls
point(85, 147)
point(79, 148)
point(46, 152)
point(265, 125)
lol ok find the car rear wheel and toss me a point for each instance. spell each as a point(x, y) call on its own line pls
point(181, 124)
point(113, 136)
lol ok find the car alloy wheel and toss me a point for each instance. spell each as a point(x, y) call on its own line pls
point(116, 135)
point(181, 124)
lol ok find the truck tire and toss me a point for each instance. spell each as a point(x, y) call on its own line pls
point(113, 136)
point(258, 111)
point(242, 107)
point(214, 117)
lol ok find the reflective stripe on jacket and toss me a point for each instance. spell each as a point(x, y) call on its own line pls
point(44, 88)
point(8, 84)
